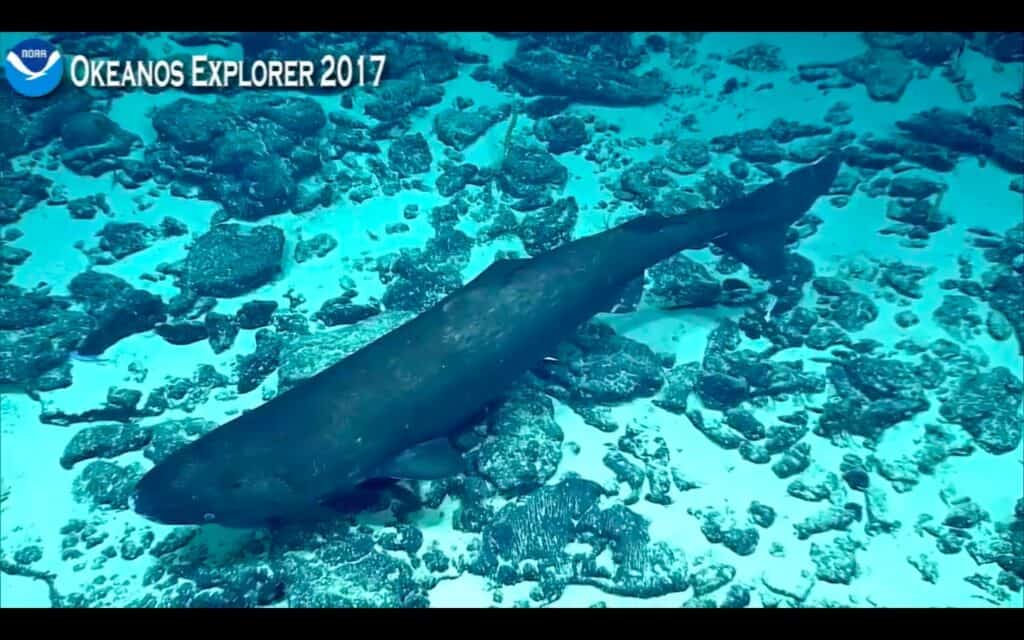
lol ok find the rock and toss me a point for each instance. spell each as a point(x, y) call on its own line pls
point(794, 460)
point(182, 333)
point(171, 435)
point(420, 283)
point(375, 580)
point(528, 172)
point(597, 366)
point(535, 532)
point(835, 562)
point(761, 514)
point(122, 239)
point(711, 578)
point(459, 128)
point(550, 227)
point(721, 391)
point(316, 247)
point(679, 384)
point(230, 260)
point(221, 331)
point(255, 314)
point(255, 367)
point(524, 446)
point(998, 326)
point(93, 143)
point(410, 155)
point(885, 73)
point(550, 73)
point(957, 315)
point(855, 311)
point(104, 441)
point(785, 578)
point(562, 133)
point(394, 103)
point(904, 186)
point(116, 308)
point(688, 156)
point(339, 311)
point(927, 567)
point(988, 405)
point(831, 519)
point(106, 484)
point(680, 282)
point(760, 57)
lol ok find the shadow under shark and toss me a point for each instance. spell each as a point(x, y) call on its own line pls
point(386, 411)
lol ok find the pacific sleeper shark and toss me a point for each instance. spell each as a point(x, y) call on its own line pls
point(387, 410)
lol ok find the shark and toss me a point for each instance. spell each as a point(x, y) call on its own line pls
point(388, 411)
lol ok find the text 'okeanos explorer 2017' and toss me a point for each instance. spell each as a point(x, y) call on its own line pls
point(202, 71)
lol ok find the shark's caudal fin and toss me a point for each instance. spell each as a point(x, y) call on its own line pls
point(752, 228)
point(771, 210)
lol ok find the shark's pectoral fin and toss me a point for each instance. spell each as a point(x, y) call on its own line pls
point(628, 299)
point(429, 460)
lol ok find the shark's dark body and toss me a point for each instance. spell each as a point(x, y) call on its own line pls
point(322, 439)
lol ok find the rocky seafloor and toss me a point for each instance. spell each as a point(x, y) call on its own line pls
point(169, 258)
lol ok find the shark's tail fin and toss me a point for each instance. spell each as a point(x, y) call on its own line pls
point(770, 210)
point(752, 228)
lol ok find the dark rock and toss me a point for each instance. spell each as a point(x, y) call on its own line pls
point(255, 314)
point(831, 519)
point(173, 434)
point(680, 282)
point(855, 311)
point(104, 441)
point(459, 128)
point(679, 384)
point(122, 239)
point(562, 133)
point(535, 533)
point(758, 145)
point(884, 72)
point(688, 156)
point(550, 73)
point(305, 356)
point(255, 367)
point(221, 330)
point(106, 484)
point(597, 366)
point(835, 562)
point(230, 260)
point(527, 172)
point(711, 578)
point(410, 155)
point(760, 57)
point(116, 308)
point(794, 460)
point(338, 311)
point(721, 391)
point(745, 423)
point(761, 514)
point(987, 405)
point(550, 227)
point(903, 186)
point(316, 247)
point(182, 333)
point(524, 446)
point(93, 143)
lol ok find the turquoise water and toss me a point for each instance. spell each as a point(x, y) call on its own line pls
point(174, 257)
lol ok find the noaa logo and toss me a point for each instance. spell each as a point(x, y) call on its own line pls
point(34, 67)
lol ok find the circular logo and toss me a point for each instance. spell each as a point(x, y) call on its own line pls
point(34, 67)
